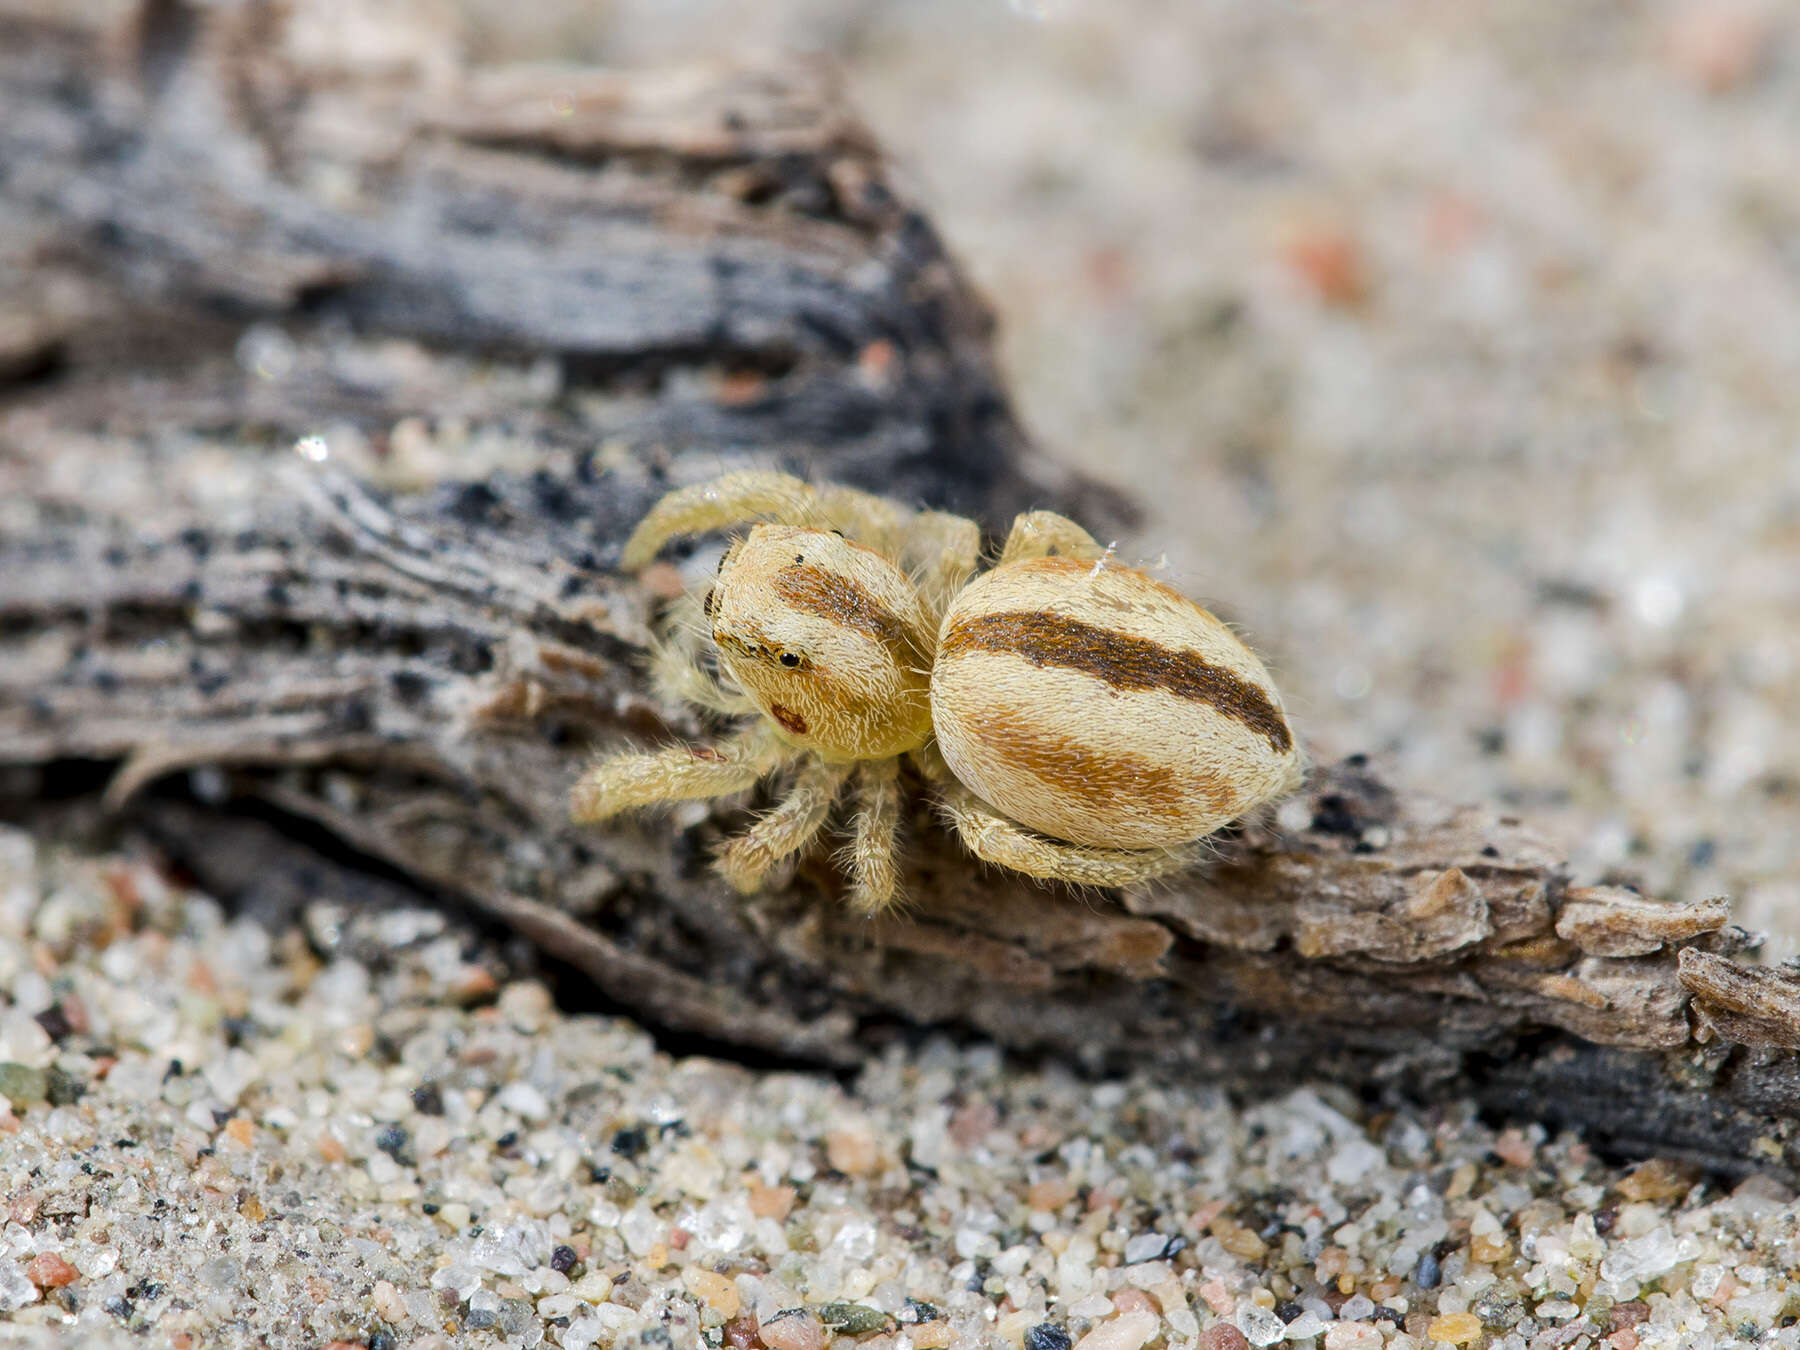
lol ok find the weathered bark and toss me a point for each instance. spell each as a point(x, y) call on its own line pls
point(516, 306)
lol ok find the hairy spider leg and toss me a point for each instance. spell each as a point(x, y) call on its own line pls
point(1038, 534)
point(679, 669)
point(757, 494)
point(626, 781)
point(787, 827)
point(874, 834)
point(995, 838)
point(941, 553)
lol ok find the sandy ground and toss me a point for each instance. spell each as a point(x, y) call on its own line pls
point(1453, 350)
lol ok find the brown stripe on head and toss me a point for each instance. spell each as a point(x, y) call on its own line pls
point(1122, 661)
point(834, 596)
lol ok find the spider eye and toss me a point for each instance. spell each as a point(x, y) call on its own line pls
point(789, 660)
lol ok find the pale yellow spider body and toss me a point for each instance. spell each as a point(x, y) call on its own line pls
point(829, 638)
point(1164, 726)
point(1078, 720)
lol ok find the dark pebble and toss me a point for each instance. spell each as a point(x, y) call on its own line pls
point(1047, 1336)
point(1428, 1271)
point(629, 1143)
point(562, 1259)
point(1334, 816)
point(392, 1141)
point(63, 1089)
point(54, 1021)
point(918, 1310)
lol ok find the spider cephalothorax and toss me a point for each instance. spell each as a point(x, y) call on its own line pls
point(1079, 720)
point(828, 637)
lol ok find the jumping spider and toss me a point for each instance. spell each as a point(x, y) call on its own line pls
point(1079, 721)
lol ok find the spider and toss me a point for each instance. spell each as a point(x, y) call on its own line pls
point(1078, 720)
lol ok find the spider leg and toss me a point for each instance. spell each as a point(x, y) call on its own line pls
point(871, 521)
point(729, 500)
point(996, 839)
point(1038, 534)
point(754, 494)
point(929, 760)
point(787, 827)
point(679, 670)
point(940, 553)
point(631, 779)
point(874, 875)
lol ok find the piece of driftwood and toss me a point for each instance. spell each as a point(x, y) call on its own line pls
point(513, 307)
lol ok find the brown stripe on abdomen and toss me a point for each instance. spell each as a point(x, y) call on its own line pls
point(1102, 781)
point(836, 597)
point(1121, 661)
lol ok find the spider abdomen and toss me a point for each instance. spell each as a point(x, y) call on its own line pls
point(1098, 706)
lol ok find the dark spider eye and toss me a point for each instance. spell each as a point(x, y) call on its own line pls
point(799, 557)
point(789, 659)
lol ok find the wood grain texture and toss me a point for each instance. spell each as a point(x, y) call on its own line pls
point(518, 306)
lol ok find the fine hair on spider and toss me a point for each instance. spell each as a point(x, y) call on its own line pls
point(1077, 720)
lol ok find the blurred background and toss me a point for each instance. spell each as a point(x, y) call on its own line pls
point(1453, 351)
